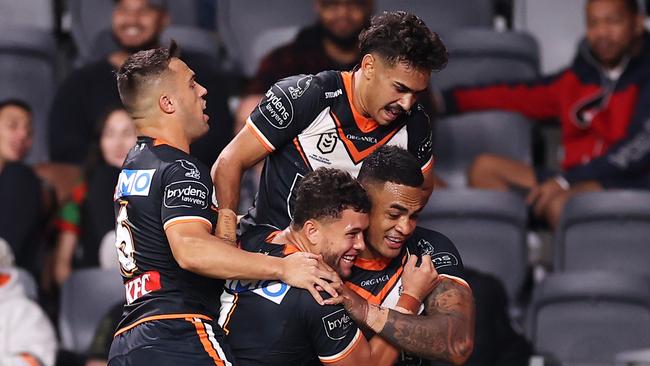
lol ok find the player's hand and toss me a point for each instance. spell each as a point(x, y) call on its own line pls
point(307, 271)
point(419, 281)
point(355, 305)
point(541, 195)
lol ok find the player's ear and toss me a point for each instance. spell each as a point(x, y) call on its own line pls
point(311, 230)
point(368, 65)
point(166, 104)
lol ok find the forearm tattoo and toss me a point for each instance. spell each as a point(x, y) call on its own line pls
point(445, 333)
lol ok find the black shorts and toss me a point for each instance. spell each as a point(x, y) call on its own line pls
point(189, 341)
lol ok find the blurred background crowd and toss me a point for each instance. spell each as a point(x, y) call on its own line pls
point(542, 150)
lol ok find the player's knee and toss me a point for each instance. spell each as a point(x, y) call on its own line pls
point(484, 167)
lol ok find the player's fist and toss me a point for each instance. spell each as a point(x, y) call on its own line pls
point(419, 281)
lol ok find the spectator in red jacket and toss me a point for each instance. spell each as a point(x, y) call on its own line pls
point(602, 102)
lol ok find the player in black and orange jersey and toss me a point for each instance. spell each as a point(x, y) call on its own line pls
point(393, 180)
point(336, 119)
point(271, 323)
point(170, 260)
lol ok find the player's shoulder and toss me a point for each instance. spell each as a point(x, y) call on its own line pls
point(418, 118)
point(425, 241)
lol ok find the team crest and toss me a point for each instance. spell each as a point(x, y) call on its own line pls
point(192, 170)
point(301, 86)
point(425, 247)
point(327, 142)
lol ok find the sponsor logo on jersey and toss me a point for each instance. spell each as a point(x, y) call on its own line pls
point(146, 283)
point(374, 281)
point(334, 94)
point(192, 170)
point(301, 87)
point(327, 142)
point(337, 324)
point(134, 183)
point(277, 108)
point(186, 193)
point(444, 259)
point(271, 290)
point(370, 139)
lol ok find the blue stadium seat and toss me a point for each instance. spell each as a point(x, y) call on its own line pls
point(86, 297)
point(27, 72)
point(586, 318)
point(461, 138)
point(605, 230)
point(487, 227)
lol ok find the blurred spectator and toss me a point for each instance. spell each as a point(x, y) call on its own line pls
point(26, 335)
point(86, 222)
point(20, 189)
point(602, 103)
point(330, 44)
point(88, 93)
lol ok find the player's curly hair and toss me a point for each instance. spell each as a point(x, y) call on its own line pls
point(325, 193)
point(391, 164)
point(403, 37)
point(140, 69)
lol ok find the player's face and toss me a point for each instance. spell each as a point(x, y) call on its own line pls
point(137, 25)
point(341, 240)
point(611, 30)
point(392, 90)
point(190, 97)
point(393, 217)
point(344, 19)
point(15, 133)
point(118, 136)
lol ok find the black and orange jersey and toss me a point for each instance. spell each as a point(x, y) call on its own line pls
point(309, 121)
point(271, 323)
point(379, 281)
point(160, 186)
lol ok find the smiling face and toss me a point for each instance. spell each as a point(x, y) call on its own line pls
point(611, 30)
point(137, 25)
point(388, 91)
point(393, 217)
point(339, 240)
point(15, 133)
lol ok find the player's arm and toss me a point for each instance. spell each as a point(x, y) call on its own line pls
point(244, 151)
point(198, 251)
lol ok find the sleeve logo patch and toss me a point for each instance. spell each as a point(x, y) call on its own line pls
point(301, 87)
point(337, 324)
point(277, 108)
point(444, 259)
point(186, 193)
point(192, 170)
point(134, 183)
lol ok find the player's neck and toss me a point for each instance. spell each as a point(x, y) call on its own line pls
point(295, 238)
point(168, 134)
point(357, 93)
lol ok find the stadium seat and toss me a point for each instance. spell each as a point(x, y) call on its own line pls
point(86, 297)
point(605, 230)
point(266, 42)
point(241, 22)
point(487, 227)
point(557, 40)
point(29, 13)
point(483, 56)
point(28, 283)
point(444, 16)
point(586, 318)
point(27, 72)
point(461, 138)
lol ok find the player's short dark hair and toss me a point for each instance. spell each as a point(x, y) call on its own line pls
point(141, 68)
point(325, 193)
point(631, 5)
point(403, 37)
point(391, 164)
point(15, 102)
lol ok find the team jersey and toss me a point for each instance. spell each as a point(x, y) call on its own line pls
point(309, 121)
point(271, 323)
point(160, 186)
point(380, 281)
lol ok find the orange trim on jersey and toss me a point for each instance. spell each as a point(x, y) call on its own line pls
point(428, 166)
point(158, 141)
point(365, 124)
point(171, 223)
point(161, 317)
point(347, 352)
point(301, 151)
point(232, 310)
point(29, 359)
point(377, 299)
point(259, 138)
point(272, 236)
point(207, 346)
point(357, 155)
point(458, 280)
point(372, 264)
point(290, 249)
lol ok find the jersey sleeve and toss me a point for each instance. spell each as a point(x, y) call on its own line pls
point(446, 258)
point(286, 109)
point(332, 332)
point(420, 140)
point(186, 194)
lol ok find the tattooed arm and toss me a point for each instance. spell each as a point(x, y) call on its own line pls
point(445, 333)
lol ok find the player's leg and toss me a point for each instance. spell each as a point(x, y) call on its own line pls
point(489, 171)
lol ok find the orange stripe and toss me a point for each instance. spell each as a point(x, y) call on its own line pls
point(290, 249)
point(372, 264)
point(159, 141)
point(302, 153)
point(357, 155)
point(428, 165)
point(29, 359)
point(348, 352)
point(232, 310)
point(184, 221)
point(365, 124)
point(379, 298)
point(259, 138)
point(207, 346)
point(161, 317)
